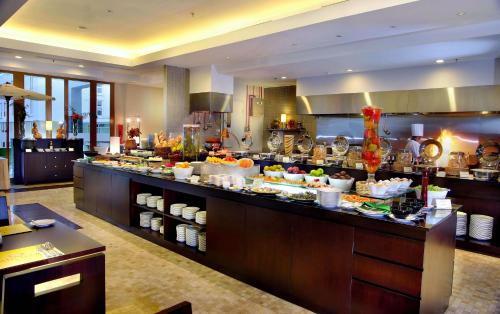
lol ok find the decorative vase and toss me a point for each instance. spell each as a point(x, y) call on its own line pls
point(75, 128)
point(130, 144)
point(371, 153)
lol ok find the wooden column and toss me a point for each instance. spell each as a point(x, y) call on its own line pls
point(48, 104)
point(93, 113)
point(66, 107)
point(112, 110)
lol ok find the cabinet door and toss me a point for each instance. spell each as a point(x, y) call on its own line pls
point(103, 198)
point(322, 264)
point(120, 199)
point(34, 168)
point(226, 234)
point(269, 248)
point(91, 188)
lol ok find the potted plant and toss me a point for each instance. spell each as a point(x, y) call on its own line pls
point(130, 143)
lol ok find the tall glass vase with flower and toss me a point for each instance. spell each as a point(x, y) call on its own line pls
point(371, 153)
point(75, 119)
point(130, 143)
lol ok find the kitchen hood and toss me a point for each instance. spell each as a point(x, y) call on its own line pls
point(435, 100)
point(210, 101)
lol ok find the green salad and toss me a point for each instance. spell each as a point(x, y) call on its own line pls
point(431, 187)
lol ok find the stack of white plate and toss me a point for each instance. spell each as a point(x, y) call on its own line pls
point(162, 229)
point(156, 223)
point(145, 219)
point(181, 232)
point(141, 198)
point(202, 241)
point(189, 212)
point(461, 224)
point(201, 218)
point(176, 209)
point(481, 227)
point(192, 236)
point(152, 200)
point(160, 204)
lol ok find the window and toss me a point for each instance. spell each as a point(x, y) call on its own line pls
point(57, 105)
point(35, 109)
point(79, 102)
point(103, 111)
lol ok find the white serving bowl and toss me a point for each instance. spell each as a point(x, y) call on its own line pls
point(431, 195)
point(182, 173)
point(342, 184)
point(322, 179)
point(275, 174)
point(378, 189)
point(293, 176)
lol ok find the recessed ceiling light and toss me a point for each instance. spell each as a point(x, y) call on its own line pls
point(461, 13)
point(109, 11)
point(348, 70)
point(439, 61)
point(81, 66)
point(393, 26)
point(339, 36)
point(294, 44)
point(82, 28)
point(18, 57)
point(283, 77)
point(228, 57)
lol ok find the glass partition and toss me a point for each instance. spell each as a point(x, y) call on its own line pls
point(79, 102)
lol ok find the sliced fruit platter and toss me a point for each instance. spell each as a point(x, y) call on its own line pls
point(306, 197)
point(265, 191)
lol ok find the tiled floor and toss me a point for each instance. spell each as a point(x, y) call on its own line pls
point(142, 277)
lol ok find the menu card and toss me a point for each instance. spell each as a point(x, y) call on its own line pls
point(13, 229)
point(20, 256)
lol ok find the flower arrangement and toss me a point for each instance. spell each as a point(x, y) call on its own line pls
point(134, 132)
point(75, 117)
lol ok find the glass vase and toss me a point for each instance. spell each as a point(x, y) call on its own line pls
point(371, 152)
point(75, 128)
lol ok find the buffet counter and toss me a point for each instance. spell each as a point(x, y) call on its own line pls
point(326, 260)
point(476, 197)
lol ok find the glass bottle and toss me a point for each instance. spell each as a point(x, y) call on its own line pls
point(371, 154)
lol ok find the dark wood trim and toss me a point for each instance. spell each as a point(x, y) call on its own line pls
point(112, 110)
point(93, 114)
point(48, 104)
point(66, 107)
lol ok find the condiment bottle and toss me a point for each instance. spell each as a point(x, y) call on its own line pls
point(425, 185)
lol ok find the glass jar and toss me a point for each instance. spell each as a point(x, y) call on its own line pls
point(319, 153)
point(191, 139)
point(371, 154)
point(354, 156)
point(457, 160)
point(274, 142)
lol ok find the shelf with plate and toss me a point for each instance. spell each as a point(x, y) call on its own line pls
point(491, 247)
point(183, 220)
point(144, 207)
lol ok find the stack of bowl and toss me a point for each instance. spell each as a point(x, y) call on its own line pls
point(160, 204)
point(156, 223)
point(145, 219)
point(151, 201)
point(201, 218)
point(192, 236)
point(189, 212)
point(176, 209)
point(202, 241)
point(181, 232)
point(141, 198)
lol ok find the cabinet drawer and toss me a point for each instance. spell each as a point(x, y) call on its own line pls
point(389, 275)
point(392, 248)
point(78, 182)
point(369, 299)
point(78, 171)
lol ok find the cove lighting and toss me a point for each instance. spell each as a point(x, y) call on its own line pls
point(348, 70)
point(18, 57)
point(81, 66)
point(438, 61)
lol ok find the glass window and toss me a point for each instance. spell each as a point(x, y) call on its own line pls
point(57, 105)
point(35, 109)
point(103, 111)
point(79, 102)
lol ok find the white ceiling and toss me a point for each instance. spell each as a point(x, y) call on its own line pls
point(374, 35)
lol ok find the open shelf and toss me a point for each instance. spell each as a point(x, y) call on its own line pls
point(491, 247)
point(145, 208)
point(189, 248)
point(183, 220)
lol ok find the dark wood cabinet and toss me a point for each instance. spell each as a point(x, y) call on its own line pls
point(120, 200)
point(226, 234)
point(268, 248)
point(92, 190)
point(321, 264)
point(39, 167)
point(103, 199)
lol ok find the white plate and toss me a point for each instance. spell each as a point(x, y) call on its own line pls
point(41, 223)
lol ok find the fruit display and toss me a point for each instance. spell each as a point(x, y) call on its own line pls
point(274, 168)
point(265, 190)
point(371, 154)
point(214, 160)
point(295, 170)
point(228, 160)
point(245, 163)
point(317, 172)
point(342, 175)
point(315, 185)
point(182, 165)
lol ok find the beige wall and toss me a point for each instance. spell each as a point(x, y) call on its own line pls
point(140, 101)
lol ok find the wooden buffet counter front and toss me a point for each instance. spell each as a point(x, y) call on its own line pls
point(330, 261)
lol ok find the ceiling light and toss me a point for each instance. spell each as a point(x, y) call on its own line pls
point(294, 44)
point(485, 112)
point(339, 36)
point(393, 26)
point(438, 61)
point(283, 77)
point(81, 66)
point(348, 70)
point(82, 28)
point(228, 57)
point(18, 57)
point(461, 13)
point(109, 11)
